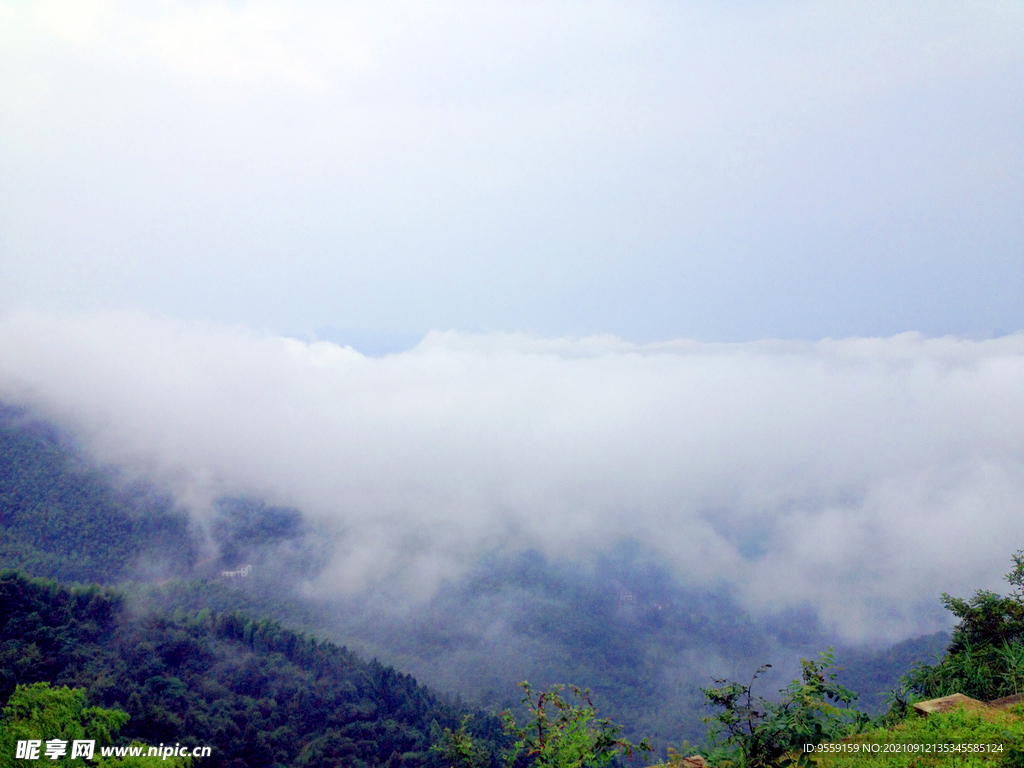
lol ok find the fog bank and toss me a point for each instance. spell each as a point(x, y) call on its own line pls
point(859, 476)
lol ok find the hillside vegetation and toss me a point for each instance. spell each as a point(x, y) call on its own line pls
point(982, 662)
point(189, 653)
point(964, 737)
point(64, 518)
point(259, 694)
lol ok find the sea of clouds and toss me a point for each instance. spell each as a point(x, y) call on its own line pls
point(861, 477)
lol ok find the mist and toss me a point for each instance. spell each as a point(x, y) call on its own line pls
point(856, 477)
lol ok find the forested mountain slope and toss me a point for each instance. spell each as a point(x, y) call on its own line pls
point(622, 626)
point(63, 517)
point(259, 694)
point(621, 623)
point(168, 644)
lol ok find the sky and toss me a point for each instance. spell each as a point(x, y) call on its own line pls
point(650, 170)
point(743, 282)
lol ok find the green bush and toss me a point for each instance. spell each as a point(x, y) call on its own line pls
point(985, 658)
point(560, 732)
point(752, 732)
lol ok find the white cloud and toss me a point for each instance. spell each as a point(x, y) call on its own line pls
point(244, 43)
point(863, 476)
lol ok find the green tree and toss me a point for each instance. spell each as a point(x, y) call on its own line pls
point(560, 732)
point(566, 733)
point(752, 732)
point(39, 712)
point(985, 657)
point(458, 749)
point(143, 761)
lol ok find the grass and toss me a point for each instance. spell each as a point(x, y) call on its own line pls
point(962, 737)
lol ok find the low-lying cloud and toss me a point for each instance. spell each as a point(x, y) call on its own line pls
point(860, 476)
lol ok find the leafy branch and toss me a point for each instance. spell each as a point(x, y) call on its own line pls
point(753, 732)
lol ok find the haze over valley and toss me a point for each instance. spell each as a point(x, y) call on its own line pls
point(836, 476)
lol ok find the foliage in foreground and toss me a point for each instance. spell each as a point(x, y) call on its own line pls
point(561, 732)
point(962, 737)
point(39, 712)
point(985, 659)
point(752, 732)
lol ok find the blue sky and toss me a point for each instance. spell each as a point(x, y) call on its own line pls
point(647, 170)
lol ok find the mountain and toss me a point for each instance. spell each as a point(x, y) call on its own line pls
point(620, 623)
point(65, 518)
point(258, 694)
